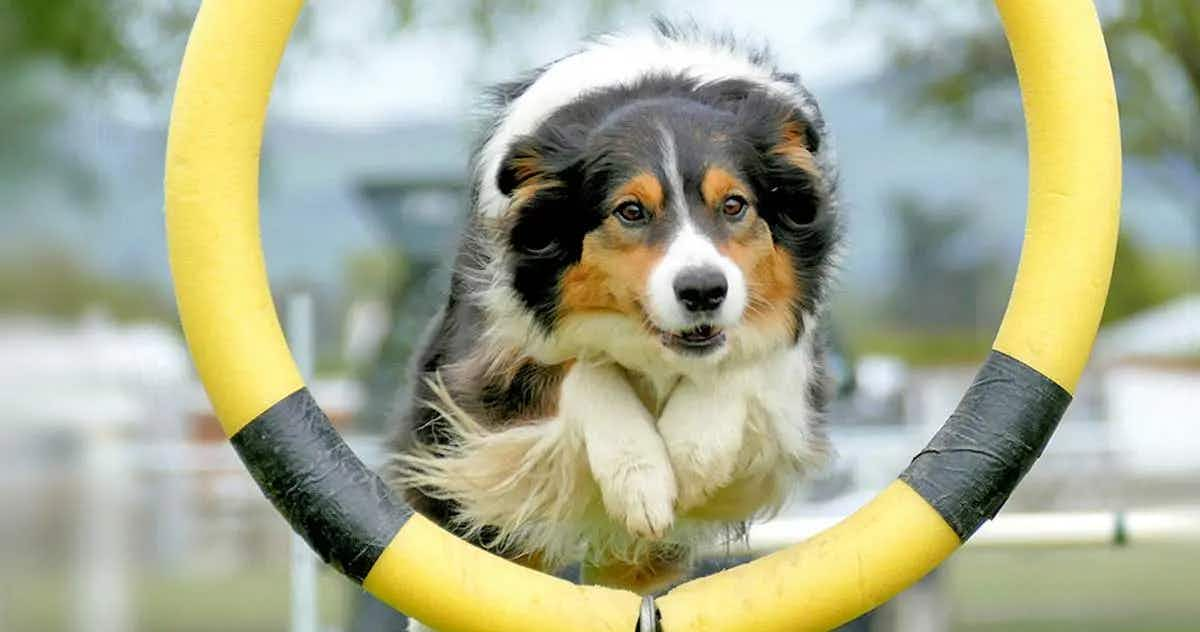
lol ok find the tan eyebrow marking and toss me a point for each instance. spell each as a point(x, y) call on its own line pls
point(718, 183)
point(643, 186)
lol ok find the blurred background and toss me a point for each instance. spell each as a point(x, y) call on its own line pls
point(122, 508)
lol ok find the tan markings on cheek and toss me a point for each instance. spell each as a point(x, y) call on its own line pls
point(749, 245)
point(718, 183)
point(644, 187)
point(793, 147)
point(770, 279)
point(609, 276)
point(775, 279)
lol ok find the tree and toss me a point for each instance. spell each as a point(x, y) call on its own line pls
point(90, 46)
point(1154, 46)
point(945, 283)
point(80, 35)
point(95, 36)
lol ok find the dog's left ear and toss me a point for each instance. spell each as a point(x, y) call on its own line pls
point(790, 181)
point(795, 141)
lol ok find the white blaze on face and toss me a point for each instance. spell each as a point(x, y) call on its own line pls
point(689, 249)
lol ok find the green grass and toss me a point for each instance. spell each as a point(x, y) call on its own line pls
point(1143, 588)
point(1149, 588)
point(253, 600)
point(925, 348)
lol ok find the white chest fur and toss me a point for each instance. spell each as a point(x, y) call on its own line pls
point(612, 474)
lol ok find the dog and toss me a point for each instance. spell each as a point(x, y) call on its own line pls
point(628, 363)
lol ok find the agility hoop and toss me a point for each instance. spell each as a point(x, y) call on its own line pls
point(351, 519)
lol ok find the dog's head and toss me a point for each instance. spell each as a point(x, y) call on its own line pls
point(697, 213)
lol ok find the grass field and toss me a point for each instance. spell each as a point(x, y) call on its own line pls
point(1143, 589)
point(250, 601)
point(1140, 588)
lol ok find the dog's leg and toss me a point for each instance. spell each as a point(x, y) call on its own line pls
point(625, 453)
point(703, 427)
point(658, 568)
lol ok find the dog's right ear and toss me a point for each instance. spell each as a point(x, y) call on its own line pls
point(524, 165)
point(536, 178)
point(549, 159)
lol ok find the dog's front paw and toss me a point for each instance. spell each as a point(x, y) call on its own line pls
point(703, 434)
point(700, 470)
point(642, 498)
point(624, 451)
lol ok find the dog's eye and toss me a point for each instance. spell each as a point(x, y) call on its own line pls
point(734, 207)
point(632, 213)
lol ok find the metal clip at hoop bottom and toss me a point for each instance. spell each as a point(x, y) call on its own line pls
point(648, 617)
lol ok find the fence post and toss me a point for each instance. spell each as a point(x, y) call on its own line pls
point(301, 338)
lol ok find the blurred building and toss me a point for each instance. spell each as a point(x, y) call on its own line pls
point(1151, 375)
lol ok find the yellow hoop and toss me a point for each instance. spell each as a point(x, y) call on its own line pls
point(240, 353)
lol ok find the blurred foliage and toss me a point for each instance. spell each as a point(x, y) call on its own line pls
point(372, 273)
point(100, 38)
point(1144, 278)
point(924, 336)
point(924, 346)
point(60, 51)
point(1154, 46)
point(52, 283)
point(966, 70)
point(933, 313)
point(947, 280)
point(951, 297)
point(80, 35)
point(50, 52)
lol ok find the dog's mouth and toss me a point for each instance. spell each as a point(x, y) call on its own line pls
point(697, 340)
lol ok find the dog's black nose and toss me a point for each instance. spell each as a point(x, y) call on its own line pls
point(701, 289)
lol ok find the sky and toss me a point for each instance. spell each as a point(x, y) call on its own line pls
point(351, 69)
point(354, 72)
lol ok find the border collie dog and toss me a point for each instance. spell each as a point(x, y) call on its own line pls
point(627, 363)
